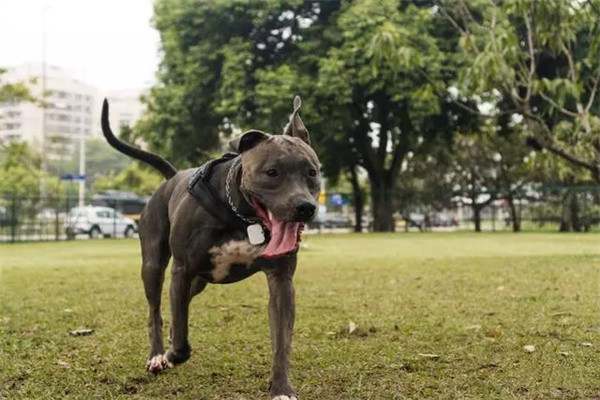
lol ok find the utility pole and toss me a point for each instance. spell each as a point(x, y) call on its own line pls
point(44, 89)
point(82, 177)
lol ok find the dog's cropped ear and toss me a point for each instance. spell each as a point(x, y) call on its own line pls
point(247, 140)
point(296, 127)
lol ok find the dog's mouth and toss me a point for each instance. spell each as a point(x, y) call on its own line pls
point(285, 235)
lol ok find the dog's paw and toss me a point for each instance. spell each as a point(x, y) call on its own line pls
point(282, 391)
point(158, 363)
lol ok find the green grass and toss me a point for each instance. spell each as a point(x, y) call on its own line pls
point(472, 300)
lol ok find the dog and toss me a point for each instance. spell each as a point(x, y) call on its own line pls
point(222, 223)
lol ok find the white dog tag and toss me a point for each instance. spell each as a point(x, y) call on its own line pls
point(256, 235)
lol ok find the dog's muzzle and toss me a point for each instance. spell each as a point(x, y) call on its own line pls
point(305, 211)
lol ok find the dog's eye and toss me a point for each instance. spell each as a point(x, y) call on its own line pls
point(272, 172)
point(312, 172)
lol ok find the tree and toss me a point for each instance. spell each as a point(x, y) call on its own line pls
point(21, 174)
point(103, 160)
point(217, 57)
point(560, 184)
point(19, 171)
point(385, 69)
point(473, 173)
point(134, 178)
point(373, 74)
point(543, 58)
point(254, 59)
point(490, 165)
point(424, 184)
point(12, 92)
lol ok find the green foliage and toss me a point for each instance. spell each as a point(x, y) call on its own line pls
point(358, 65)
point(102, 159)
point(376, 78)
point(424, 184)
point(12, 92)
point(21, 175)
point(215, 56)
point(542, 58)
point(134, 178)
point(19, 171)
point(384, 68)
point(490, 163)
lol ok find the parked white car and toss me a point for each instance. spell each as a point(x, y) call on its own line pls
point(97, 222)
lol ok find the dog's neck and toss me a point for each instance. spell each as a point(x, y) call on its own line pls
point(239, 199)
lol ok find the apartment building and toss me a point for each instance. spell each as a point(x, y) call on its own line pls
point(125, 107)
point(71, 109)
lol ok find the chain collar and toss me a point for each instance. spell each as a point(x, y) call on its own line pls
point(228, 179)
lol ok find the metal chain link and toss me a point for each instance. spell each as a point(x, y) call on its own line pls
point(228, 192)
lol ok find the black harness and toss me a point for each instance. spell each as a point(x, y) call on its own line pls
point(200, 187)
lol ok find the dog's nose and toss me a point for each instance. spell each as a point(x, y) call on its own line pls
point(305, 211)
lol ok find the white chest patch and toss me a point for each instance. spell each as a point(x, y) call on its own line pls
point(232, 252)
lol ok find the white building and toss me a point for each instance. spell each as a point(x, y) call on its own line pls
point(125, 107)
point(71, 108)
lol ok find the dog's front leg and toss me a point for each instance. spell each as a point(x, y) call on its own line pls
point(281, 321)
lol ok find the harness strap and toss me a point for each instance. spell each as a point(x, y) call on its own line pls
point(201, 189)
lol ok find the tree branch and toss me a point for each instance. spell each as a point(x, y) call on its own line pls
point(567, 53)
point(560, 108)
point(464, 31)
point(567, 156)
point(593, 92)
point(531, 58)
point(539, 120)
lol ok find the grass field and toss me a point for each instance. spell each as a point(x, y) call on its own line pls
point(440, 316)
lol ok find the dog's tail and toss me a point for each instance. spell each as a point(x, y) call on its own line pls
point(154, 160)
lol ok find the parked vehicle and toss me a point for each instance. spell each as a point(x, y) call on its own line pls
point(128, 203)
point(431, 220)
point(332, 221)
point(97, 222)
point(443, 220)
point(416, 220)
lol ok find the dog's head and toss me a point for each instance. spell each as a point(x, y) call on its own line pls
point(281, 180)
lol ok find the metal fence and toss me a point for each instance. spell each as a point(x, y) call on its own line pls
point(573, 208)
point(33, 218)
point(29, 218)
point(548, 208)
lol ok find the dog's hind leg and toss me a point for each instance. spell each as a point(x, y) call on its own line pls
point(180, 296)
point(154, 235)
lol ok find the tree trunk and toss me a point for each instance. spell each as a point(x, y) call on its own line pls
point(514, 215)
point(477, 218)
point(574, 213)
point(570, 220)
point(382, 204)
point(358, 200)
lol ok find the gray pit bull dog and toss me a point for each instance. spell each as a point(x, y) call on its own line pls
point(263, 194)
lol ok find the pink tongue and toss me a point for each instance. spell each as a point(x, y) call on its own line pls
point(283, 238)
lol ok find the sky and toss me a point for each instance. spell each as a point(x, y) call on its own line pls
point(107, 43)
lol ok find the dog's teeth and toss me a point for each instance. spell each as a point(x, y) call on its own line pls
point(270, 214)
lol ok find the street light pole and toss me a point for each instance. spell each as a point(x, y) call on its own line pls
point(82, 159)
point(44, 89)
point(82, 170)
